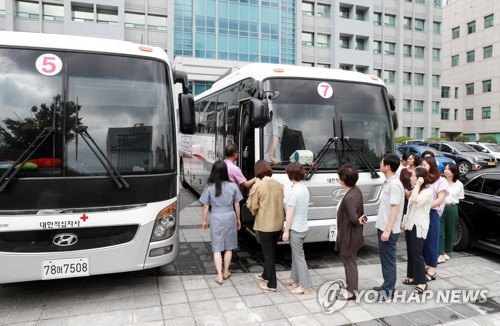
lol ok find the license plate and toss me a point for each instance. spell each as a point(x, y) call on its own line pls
point(491, 163)
point(63, 268)
point(333, 233)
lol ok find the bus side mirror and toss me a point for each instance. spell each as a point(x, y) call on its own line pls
point(186, 114)
point(259, 113)
point(181, 77)
point(394, 115)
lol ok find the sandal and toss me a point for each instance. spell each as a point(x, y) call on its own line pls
point(260, 278)
point(409, 281)
point(290, 282)
point(264, 287)
point(419, 290)
point(300, 290)
point(218, 281)
point(430, 277)
point(228, 275)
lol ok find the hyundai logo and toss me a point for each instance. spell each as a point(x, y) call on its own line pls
point(65, 239)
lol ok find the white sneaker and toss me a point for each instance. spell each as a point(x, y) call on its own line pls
point(446, 257)
point(441, 259)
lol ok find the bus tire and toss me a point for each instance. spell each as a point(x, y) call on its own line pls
point(184, 183)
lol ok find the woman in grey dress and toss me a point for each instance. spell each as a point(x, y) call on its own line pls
point(224, 197)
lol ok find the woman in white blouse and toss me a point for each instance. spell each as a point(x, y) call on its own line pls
point(449, 219)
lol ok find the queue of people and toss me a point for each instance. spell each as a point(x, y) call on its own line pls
point(415, 200)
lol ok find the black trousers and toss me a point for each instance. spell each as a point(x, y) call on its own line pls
point(416, 264)
point(351, 271)
point(269, 244)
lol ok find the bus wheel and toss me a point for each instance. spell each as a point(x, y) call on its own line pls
point(183, 177)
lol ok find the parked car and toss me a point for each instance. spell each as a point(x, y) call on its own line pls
point(411, 142)
point(466, 157)
point(479, 213)
point(441, 160)
point(493, 149)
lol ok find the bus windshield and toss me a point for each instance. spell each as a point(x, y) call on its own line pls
point(307, 113)
point(123, 102)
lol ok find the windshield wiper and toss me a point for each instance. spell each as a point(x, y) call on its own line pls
point(359, 154)
point(321, 156)
point(110, 168)
point(12, 171)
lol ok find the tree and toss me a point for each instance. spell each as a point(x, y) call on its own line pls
point(401, 139)
point(488, 139)
point(462, 139)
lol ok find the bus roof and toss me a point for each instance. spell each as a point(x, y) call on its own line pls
point(261, 71)
point(79, 43)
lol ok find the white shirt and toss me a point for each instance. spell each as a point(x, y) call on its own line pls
point(418, 213)
point(299, 198)
point(392, 194)
point(455, 193)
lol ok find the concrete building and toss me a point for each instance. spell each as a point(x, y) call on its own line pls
point(400, 41)
point(470, 89)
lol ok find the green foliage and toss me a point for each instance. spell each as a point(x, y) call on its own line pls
point(401, 139)
point(462, 139)
point(488, 139)
point(435, 138)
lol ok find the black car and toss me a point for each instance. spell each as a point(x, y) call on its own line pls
point(479, 213)
point(467, 158)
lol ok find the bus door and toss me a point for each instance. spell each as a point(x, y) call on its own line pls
point(221, 132)
point(247, 156)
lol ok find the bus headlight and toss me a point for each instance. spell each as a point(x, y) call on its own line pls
point(165, 223)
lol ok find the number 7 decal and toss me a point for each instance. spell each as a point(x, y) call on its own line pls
point(325, 90)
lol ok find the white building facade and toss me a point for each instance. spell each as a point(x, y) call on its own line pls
point(470, 102)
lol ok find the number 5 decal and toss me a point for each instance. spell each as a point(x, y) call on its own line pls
point(325, 90)
point(48, 64)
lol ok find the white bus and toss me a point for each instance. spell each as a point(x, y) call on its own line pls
point(88, 156)
point(320, 117)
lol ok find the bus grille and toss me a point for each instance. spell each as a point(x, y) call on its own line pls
point(88, 238)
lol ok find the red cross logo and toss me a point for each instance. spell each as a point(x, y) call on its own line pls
point(84, 217)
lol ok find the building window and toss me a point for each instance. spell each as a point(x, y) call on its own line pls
point(469, 114)
point(445, 92)
point(419, 79)
point(323, 41)
point(455, 32)
point(455, 115)
point(26, 9)
point(488, 51)
point(437, 4)
point(436, 81)
point(488, 21)
point(419, 25)
point(378, 73)
point(109, 15)
point(422, 2)
point(407, 131)
point(455, 60)
point(406, 78)
point(308, 8)
point(487, 86)
point(436, 28)
point(345, 42)
point(419, 52)
point(436, 55)
point(390, 48)
point(419, 106)
point(308, 64)
point(344, 12)
point(360, 14)
point(323, 65)
point(389, 76)
point(469, 89)
point(486, 112)
point(362, 69)
point(407, 23)
point(471, 56)
point(82, 12)
point(52, 12)
point(346, 67)
point(436, 132)
point(471, 27)
point(390, 20)
point(445, 114)
point(377, 47)
point(407, 50)
point(378, 18)
point(406, 105)
point(323, 10)
point(435, 107)
point(360, 43)
point(456, 92)
point(134, 20)
point(2, 7)
point(307, 39)
point(419, 133)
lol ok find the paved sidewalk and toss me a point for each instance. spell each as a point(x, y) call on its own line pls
point(184, 293)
